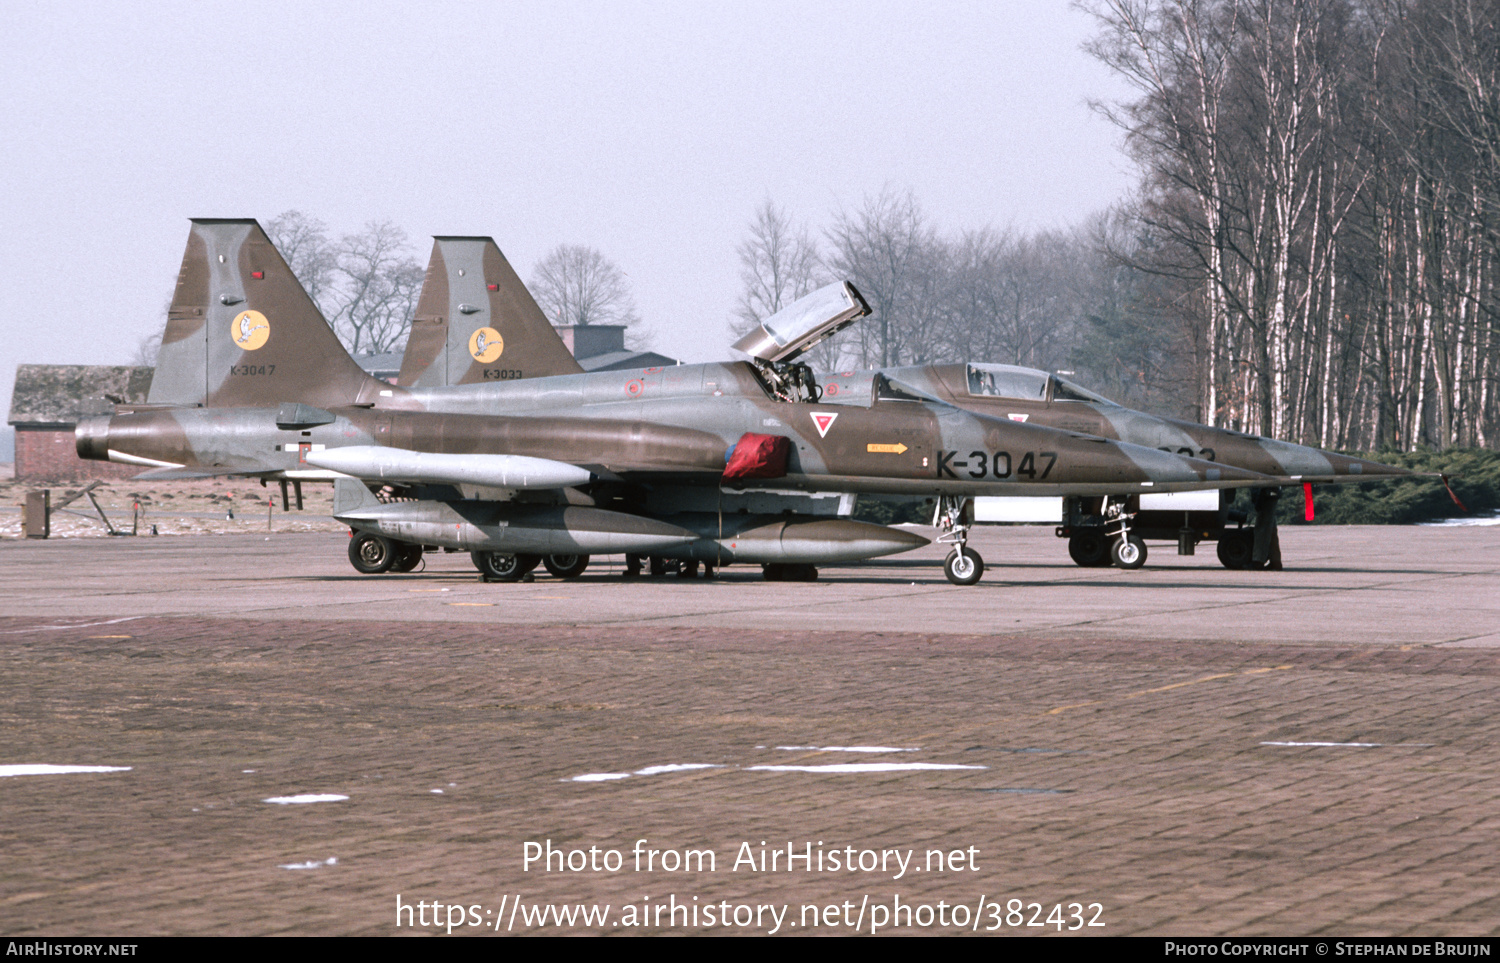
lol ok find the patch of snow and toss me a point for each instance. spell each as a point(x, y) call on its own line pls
point(846, 749)
point(841, 767)
point(46, 770)
point(1491, 519)
point(675, 767)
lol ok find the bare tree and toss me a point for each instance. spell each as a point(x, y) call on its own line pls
point(147, 350)
point(377, 285)
point(888, 251)
point(303, 242)
point(778, 264)
point(575, 284)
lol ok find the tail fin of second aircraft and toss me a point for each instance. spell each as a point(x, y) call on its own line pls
point(477, 322)
point(242, 332)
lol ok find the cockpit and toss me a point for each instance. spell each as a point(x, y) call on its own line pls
point(1026, 384)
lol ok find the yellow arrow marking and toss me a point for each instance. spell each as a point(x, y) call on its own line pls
point(895, 449)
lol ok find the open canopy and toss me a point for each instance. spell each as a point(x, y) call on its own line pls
point(804, 323)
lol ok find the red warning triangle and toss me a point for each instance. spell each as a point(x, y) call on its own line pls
point(823, 420)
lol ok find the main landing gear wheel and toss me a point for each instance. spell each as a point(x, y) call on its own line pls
point(566, 566)
point(1128, 552)
point(1089, 549)
point(371, 554)
point(501, 567)
point(1237, 550)
point(963, 566)
point(408, 557)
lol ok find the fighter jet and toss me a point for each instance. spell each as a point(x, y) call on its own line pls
point(1100, 529)
point(667, 461)
point(1113, 528)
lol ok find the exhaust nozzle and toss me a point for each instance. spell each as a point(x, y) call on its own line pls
point(91, 437)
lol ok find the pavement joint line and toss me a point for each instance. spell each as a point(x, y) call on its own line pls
point(1176, 685)
point(756, 609)
point(1283, 597)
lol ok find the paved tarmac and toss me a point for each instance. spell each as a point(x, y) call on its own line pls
point(1180, 750)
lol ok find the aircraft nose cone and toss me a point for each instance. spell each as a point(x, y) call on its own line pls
point(1344, 465)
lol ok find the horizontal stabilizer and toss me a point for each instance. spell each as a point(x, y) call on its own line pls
point(375, 463)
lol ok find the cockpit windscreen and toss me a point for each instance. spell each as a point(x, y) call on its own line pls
point(1007, 381)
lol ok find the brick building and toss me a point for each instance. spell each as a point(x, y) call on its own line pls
point(49, 399)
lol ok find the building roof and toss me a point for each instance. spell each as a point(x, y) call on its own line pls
point(60, 394)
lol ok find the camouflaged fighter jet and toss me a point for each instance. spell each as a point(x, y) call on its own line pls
point(251, 381)
point(1100, 529)
point(453, 323)
point(1112, 528)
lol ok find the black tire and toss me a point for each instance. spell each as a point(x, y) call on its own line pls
point(1237, 549)
point(371, 554)
point(687, 568)
point(565, 566)
point(503, 567)
point(963, 567)
point(408, 557)
point(1089, 549)
point(658, 565)
point(789, 572)
point(1128, 553)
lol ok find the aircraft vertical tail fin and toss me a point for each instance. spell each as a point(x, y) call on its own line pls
point(242, 332)
point(477, 322)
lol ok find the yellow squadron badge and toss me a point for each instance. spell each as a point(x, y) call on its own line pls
point(486, 345)
point(250, 330)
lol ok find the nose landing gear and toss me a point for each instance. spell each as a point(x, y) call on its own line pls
point(953, 519)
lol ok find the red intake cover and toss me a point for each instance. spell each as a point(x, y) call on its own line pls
point(758, 456)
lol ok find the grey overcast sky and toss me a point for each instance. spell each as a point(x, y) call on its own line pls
point(650, 130)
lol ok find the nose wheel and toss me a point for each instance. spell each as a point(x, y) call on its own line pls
point(963, 566)
point(1128, 552)
point(953, 519)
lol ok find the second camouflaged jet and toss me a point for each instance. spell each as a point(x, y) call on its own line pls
point(1112, 528)
point(251, 381)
